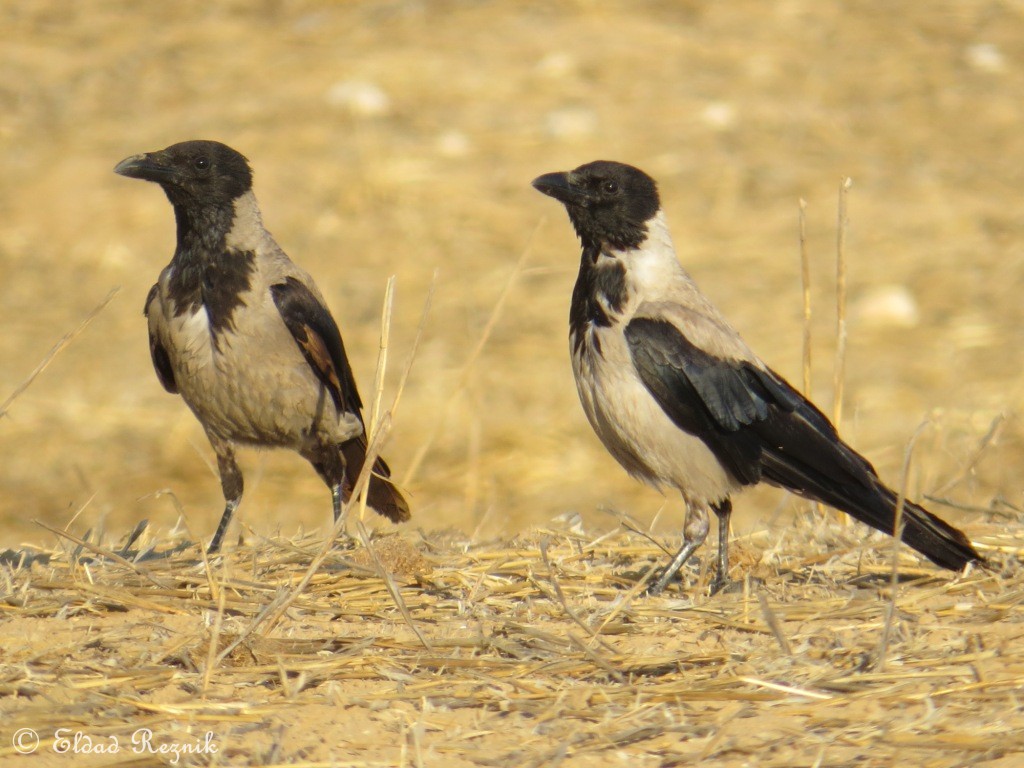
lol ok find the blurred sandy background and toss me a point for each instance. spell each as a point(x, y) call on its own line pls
point(401, 138)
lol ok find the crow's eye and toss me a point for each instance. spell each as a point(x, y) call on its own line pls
point(201, 163)
point(610, 187)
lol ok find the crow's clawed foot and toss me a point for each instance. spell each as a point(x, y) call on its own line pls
point(719, 584)
point(723, 584)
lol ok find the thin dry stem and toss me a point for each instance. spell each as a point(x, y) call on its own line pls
point(897, 532)
point(485, 335)
point(420, 327)
point(773, 624)
point(378, 381)
point(987, 440)
point(218, 623)
point(56, 350)
point(839, 371)
point(805, 279)
point(392, 587)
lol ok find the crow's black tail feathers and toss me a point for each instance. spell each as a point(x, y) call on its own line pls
point(862, 495)
point(383, 496)
point(933, 537)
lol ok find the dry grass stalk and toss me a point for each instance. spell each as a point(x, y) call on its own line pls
point(389, 582)
point(773, 624)
point(839, 370)
point(218, 623)
point(57, 348)
point(805, 282)
point(897, 533)
point(378, 380)
point(474, 356)
point(272, 613)
point(990, 438)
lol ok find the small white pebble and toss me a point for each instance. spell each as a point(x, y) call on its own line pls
point(453, 144)
point(116, 255)
point(359, 97)
point(556, 65)
point(985, 57)
point(719, 115)
point(327, 224)
point(571, 122)
point(887, 306)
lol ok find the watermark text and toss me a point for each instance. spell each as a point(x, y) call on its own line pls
point(67, 741)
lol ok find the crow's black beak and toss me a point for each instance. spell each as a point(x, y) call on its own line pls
point(147, 166)
point(560, 187)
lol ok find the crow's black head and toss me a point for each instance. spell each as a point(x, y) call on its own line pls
point(608, 202)
point(193, 173)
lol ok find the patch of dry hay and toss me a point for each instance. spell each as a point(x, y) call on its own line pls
point(528, 652)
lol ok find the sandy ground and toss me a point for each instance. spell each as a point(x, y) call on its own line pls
point(399, 138)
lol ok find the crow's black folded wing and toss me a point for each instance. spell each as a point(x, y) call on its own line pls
point(715, 399)
point(759, 427)
point(753, 421)
point(318, 337)
point(320, 341)
point(161, 360)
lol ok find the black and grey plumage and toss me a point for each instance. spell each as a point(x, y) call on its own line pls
point(679, 399)
point(244, 336)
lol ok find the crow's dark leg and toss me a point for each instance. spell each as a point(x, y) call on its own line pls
point(695, 530)
point(328, 462)
point(231, 484)
point(724, 512)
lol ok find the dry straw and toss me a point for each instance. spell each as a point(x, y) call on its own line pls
point(484, 644)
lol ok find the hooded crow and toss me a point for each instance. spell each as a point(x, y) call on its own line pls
point(679, 399)
point(244, 336)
